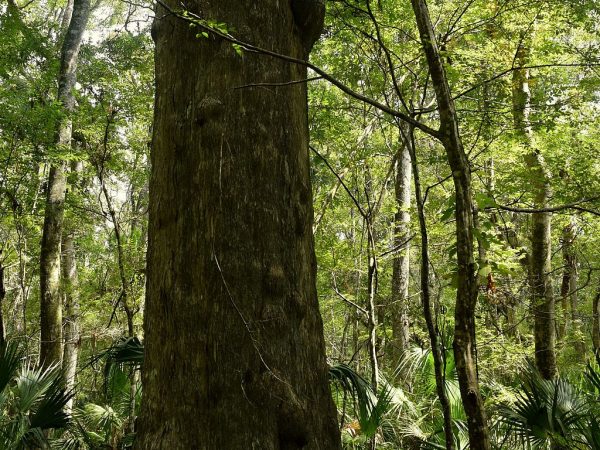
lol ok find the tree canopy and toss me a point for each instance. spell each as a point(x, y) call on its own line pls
point(432, 168)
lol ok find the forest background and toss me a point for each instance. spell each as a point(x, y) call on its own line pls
point(524, 82)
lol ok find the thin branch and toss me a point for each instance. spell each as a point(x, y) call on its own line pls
point(285, 83)
point(344, 298)
point(573, 206)
point(198, 22)
point(397, 247)
point(513, 68)
point(356, 202)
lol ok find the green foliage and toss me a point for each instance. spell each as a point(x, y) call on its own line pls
point(112, 129)
point(551, 413)
point(32, 401)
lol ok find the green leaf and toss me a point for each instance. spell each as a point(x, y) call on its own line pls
point(485, 270)
point(483, 201)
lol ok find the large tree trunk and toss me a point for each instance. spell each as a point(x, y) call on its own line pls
point(540, 253)
point(401, 265)
point(235, 355)
point(50, 301)
point(465, 353)
point(70, 288)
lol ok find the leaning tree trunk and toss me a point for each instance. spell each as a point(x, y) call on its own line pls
point(465, 353)
point(70, 291)
point(50, 299)
point(540, 254)
point(235, 355)
point(401, 265)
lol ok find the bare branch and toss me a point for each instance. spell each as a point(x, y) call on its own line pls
point(198, 22)
point(569, 206)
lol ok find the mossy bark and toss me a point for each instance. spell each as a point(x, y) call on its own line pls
point(235, 355)
point(540, 252)
point(51, 340)
point(401, 264)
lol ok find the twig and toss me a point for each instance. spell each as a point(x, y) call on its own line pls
point(198, 21)
point(285, 83)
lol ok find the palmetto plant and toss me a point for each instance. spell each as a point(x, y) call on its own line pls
point(103, 426)
point(425, 427)
point(32, 401)
point(106, 424)
point(370, 407)
point(552, 414)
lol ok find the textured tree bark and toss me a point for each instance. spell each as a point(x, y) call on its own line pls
point(70, 289)
point(51, 350)
point(401, 264)
point(540, 253)
point(235, 355)
point(467, 290)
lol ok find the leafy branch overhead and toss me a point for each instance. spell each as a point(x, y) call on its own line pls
point(336, 225)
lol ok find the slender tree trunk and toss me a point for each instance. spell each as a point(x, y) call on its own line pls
point(70, 289)
point(21, 297)
point(372, 280)
point(66, 14)
point(465, 352)
point(596, 322)
point(235, 355)
point(371, 307)
point(437, 352)
point(542, 297)
point(50, 301)
point(568, 288)
point(125, 284)
point(2, 295)
point(401, 264)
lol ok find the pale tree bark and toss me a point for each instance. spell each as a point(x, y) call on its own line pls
point(50, 300)
point(66, 14)
point(235, 355)
point(540, 253)
point(70, 289)
point(465, 353)
point(401, 263)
